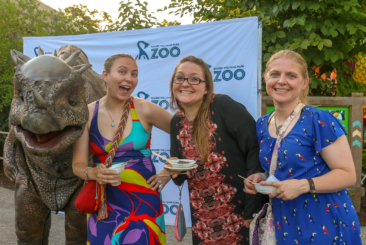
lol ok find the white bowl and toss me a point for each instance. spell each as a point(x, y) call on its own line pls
point(182, 163)
point(264, 189)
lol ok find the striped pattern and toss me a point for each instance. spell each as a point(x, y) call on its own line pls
point(102, 209)
point(118, 136)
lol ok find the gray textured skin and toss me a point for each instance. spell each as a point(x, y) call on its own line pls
point(49, 104)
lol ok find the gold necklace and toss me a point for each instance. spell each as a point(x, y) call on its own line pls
point(277, 128)
point(110, 117)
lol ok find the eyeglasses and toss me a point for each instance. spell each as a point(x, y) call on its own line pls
point(190, 80)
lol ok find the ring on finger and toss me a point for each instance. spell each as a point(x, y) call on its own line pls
point(277, 193)
point(160, 182)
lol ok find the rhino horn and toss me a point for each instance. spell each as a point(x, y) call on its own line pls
point(13, 57)
point(54, 53)
point(18, 58)
point(83, 68)
point(40, 51)
point(22, 56)
point(71, 61)
point(40, 102)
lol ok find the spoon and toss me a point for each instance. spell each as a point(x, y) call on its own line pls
point(245, 179)
point(164, 158)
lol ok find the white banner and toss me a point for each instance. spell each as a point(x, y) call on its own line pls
point(229, 47)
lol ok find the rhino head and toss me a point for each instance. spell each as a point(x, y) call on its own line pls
point(48, 110)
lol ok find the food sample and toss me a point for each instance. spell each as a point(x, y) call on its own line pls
point(183, 162)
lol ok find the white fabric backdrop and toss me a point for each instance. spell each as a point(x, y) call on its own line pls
point(229, 47)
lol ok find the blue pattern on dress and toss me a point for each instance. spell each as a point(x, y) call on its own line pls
point(321, 218)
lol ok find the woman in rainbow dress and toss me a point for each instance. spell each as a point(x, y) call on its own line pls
point(135, 210)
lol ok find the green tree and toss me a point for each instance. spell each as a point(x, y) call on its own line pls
point(133, 17)
point(327, 33)
point(89, 21)
point(24, 18)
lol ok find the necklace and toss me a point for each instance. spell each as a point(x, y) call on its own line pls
point(277, 128)
point(110, 117)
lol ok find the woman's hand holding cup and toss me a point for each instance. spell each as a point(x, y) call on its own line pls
point(106, 176)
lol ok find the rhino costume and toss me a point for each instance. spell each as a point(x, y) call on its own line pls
point(48, 114)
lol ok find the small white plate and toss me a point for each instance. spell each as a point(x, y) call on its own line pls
point(182, 161)
point(178, 167)
point(264, 189)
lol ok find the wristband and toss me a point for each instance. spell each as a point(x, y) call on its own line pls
point(264, 176)
point(312, 186)
point(86, 173)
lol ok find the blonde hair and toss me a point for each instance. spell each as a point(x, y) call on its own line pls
point(109, 62)
point(200, 123)
point(299, 60)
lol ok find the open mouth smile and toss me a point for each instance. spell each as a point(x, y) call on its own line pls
point(46, 141)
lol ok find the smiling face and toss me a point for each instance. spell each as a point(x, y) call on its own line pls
point(189, 95)
point(122, 78)
point(284, 81)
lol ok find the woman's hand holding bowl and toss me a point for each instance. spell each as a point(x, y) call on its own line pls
point(288, 189)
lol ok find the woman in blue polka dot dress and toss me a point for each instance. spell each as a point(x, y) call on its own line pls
point(314, 165)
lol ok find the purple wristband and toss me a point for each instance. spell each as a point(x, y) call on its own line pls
point(264, 176)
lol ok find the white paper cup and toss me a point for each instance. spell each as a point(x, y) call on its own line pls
point(186, 163)
point(118, 168)
point(264, 189)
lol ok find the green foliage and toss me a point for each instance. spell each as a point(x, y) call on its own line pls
point(133, 17)
point(24, 18)
point(88, 21)
point(325, 32)
point(137, 17)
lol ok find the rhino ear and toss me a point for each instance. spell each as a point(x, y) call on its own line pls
point(83, 68)
point(71, 61)
point(54, 53)
point(40, 51)
point(19, 58)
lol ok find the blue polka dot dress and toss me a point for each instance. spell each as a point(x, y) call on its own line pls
point(321, 218)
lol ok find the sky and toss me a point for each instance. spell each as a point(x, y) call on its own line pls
point(111, 7)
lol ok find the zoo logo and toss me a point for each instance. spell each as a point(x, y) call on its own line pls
point(163, 51)
point(172, 209)
point(143, 95)
point(161, 101)
point(164, 153)
point(36, 51)
point(227, 73)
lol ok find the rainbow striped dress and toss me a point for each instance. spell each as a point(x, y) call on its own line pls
point(135, 212)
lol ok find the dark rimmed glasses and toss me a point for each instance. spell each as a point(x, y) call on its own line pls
point(190, 80)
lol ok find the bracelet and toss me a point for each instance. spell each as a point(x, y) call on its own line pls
point(86, 173)
point(264, 176)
